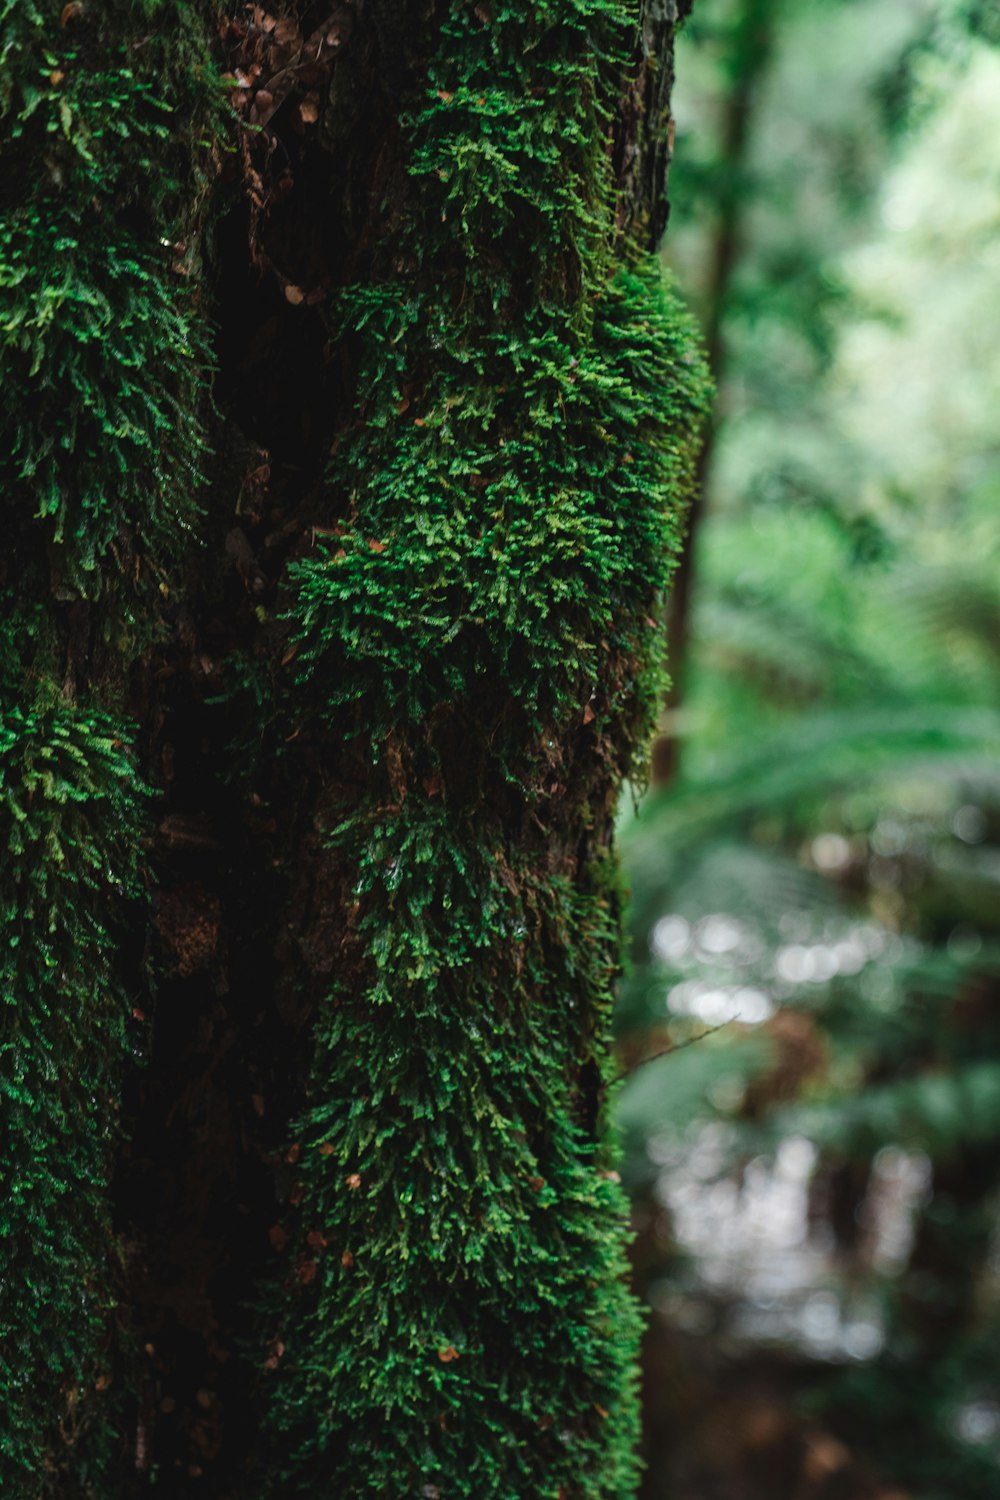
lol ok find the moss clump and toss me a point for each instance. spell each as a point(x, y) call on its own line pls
point(524, 515)
point(462, 1321)
point(70, 823)
point(100, 336)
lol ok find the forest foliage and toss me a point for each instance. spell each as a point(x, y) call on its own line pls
point(819, 879)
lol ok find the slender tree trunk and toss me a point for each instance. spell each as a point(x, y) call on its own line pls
point(317, 698)
point(749, 56)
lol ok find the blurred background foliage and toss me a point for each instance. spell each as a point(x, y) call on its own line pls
point(810, 1028)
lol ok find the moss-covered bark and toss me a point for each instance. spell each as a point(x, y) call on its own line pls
point(102, 367)
point(386, 670)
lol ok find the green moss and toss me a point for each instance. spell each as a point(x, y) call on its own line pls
point(102, 365)
point(485, 623)
point(461, 1320)
point(525, 512)
point(450, 1317)
point(100, 335)
point(523, 533)
point(69, 825)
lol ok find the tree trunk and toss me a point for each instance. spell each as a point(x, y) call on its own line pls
point(749, 56)
point(317, 695)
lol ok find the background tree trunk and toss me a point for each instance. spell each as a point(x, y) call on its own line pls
point(747, 63)
point(340, 673)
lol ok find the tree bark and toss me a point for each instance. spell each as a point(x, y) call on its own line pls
point(334, 675)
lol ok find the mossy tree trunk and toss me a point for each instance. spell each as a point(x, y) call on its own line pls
point(348, 432)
